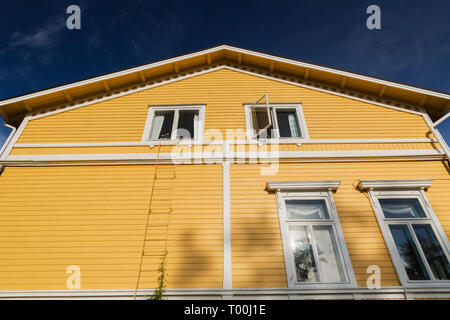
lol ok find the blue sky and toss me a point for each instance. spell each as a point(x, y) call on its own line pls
point(38, 51)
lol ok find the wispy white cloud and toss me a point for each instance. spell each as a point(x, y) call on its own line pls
point(94, 39)
point(41, 38)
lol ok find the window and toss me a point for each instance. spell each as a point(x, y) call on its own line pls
point(416, 241)
point(314, 247)
point(280, 121)
point(174, 123)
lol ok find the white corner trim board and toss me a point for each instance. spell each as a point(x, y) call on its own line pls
point(227, 263)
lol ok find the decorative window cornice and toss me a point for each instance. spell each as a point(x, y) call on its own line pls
point(303, 185)
point(395, 184)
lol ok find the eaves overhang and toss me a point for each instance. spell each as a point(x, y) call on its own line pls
point(435, 103)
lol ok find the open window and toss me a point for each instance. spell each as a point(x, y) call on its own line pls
point(275, 121)
point(177, 123)
point(314, 247)
point(415, 239)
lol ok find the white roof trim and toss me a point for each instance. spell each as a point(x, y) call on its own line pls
point(394, 184)
point(303, 185)
point(343, 73)
point(218, 48)
point(109, 76)
point(126, 91)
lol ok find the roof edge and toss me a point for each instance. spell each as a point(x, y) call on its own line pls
point(231, 48)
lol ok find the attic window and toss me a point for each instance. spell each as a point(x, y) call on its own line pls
point(280, 121)
point(177, 123)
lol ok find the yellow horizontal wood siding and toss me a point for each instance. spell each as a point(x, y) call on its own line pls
point(256, 240)
point(224, 92)
point(95, 216)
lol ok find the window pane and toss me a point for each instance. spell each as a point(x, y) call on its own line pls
point(187, 124)
point(162, 125)
point(261, 120)
point(409, 254)
point(301, 248)
point(433, 251)
point(327, 254)
point(288, 123)
point(307, 209)
point(402, 208)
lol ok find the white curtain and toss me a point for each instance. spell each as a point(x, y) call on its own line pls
point(293, 126)
point(328, 258)
point(157, 126)
point(306, 210)
point(401, 209)
point(395, 209)
point(195, 126)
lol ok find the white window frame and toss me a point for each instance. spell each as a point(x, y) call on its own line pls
point(304, 190)
point(173, 139)
point(408, 189)
point(277, 139)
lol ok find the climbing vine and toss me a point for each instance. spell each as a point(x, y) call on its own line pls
point(162, 278)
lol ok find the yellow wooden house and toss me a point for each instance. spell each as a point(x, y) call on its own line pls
point(259, 176)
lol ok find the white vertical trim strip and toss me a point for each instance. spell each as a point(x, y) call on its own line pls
point(227, 268)
point(5, 144)
point(14, 138)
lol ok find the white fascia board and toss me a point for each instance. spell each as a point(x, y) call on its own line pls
point(303, 185)
point(395, 184)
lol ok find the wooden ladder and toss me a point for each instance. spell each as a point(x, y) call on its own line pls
point(157, 224)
